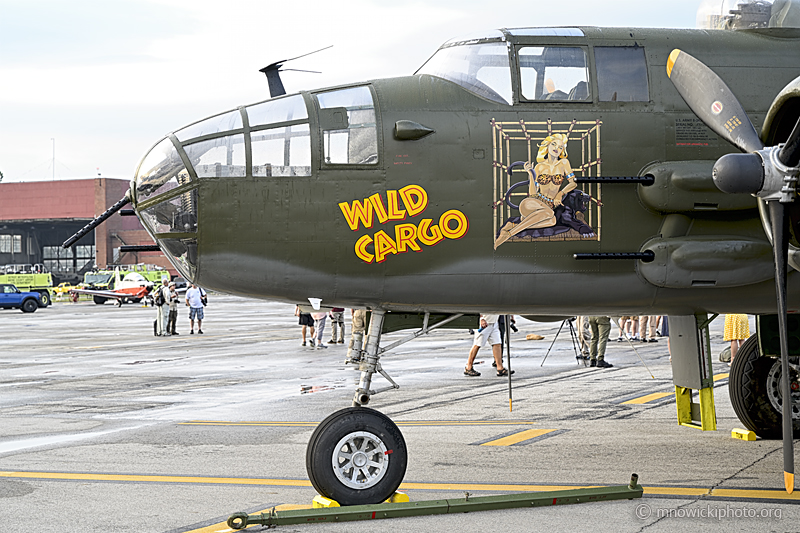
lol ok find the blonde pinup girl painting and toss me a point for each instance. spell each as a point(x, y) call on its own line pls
point(552, 199)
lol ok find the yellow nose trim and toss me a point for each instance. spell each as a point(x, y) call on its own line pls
point(673, 57)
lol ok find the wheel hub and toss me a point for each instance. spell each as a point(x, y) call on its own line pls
point(774, 391)
point(360, 460)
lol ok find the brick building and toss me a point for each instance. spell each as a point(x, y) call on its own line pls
point(36, 217)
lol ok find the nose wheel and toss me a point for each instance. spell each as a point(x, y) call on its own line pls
point(356, 456)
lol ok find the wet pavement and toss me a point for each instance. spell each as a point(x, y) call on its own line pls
point(104, 427)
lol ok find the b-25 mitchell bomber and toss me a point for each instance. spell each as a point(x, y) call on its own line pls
point(534, 171)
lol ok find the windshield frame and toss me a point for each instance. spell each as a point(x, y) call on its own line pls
point(483, 88)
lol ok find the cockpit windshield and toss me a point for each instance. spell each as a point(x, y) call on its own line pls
point(481, 68)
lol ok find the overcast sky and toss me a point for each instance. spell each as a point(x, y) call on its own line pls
point(108, 78)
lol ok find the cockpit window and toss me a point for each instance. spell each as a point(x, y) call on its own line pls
point(621, 74)
point(282, 151)
point(554, 73)
point(222, 157)
point(349, 129)
point(220, 123)
point(482, 69)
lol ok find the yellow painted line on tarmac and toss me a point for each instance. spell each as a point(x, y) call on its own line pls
point(760, 494)
point(406, 423)
point(658, 395)
point(518, 437)
point(764, 494)
point(78, 476)
point(649, 398)
point(676, 491)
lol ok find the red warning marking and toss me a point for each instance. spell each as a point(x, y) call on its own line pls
point(388, 452)
point(373, 515)
point(554, 501)
point(716, 107)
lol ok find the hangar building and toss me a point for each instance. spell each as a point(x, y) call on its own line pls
point(36, 217)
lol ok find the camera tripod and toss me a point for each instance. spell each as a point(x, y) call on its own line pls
point(576, 345)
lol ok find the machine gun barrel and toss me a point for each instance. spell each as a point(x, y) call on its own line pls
point(97, 221)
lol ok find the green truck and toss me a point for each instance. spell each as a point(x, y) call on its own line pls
point(29, 278)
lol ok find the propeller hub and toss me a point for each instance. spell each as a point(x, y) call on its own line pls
point(739, 173)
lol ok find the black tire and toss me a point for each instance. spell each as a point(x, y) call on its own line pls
point(30, 305)
point(99, 300)
point(376, 439)
point(748, 388)
point(45, 297)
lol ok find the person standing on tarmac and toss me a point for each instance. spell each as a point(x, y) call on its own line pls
point(489, 331)
point(601, 327)
point(173, 309)
point(337, 319)
point(194, 301)
point(161, 303)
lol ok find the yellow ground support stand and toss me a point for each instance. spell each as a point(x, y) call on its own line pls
point(320, 502)
point(743, 434)
point(692, 370)
point(701, 416)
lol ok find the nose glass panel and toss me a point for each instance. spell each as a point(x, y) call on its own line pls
point(220, 123)
point(279, 110)
point(176, 215)
point(161, 170)
point(183, 255)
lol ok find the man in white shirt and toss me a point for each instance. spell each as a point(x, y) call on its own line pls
point(489, 331)
point(194, 301)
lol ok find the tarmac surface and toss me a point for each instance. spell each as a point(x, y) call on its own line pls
point(104, 427)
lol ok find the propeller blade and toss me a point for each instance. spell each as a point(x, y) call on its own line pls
point(780, 245)
point(712, 101)
point(790, 152)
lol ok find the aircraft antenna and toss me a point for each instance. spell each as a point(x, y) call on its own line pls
point(273, 70)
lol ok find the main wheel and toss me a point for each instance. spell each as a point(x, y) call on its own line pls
point(99, 300)
point(356, 456)
point(754, 387)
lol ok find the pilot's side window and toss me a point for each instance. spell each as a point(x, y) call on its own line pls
point(621, 74)
point(348, 124)
point(554, 73)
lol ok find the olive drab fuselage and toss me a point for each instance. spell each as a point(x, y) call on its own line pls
point(393, 193)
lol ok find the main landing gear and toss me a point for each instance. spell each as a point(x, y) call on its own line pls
point(357, 455)
point(755, 391)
